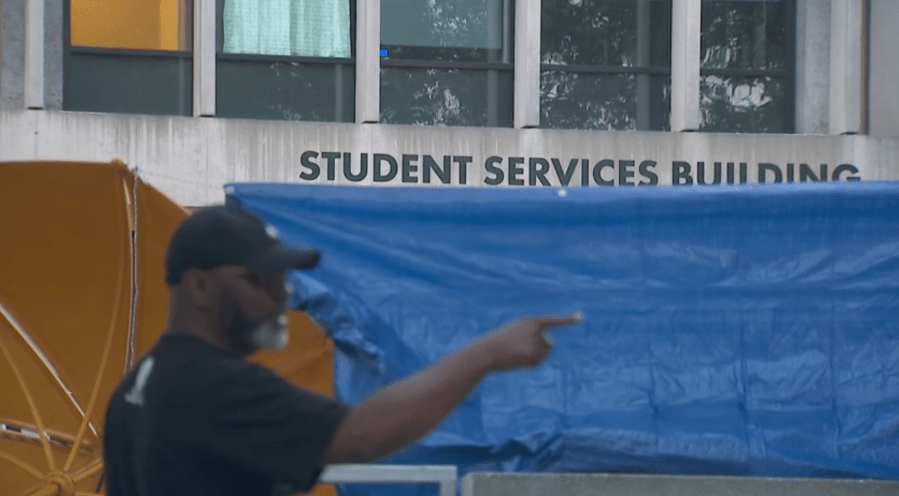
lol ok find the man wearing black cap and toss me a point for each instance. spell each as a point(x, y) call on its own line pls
point(196, 418)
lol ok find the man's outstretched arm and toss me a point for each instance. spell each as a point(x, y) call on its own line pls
point(403, 412)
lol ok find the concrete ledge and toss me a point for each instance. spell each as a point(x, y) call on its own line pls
point(569, 484)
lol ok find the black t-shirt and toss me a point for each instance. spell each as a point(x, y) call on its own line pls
point(194, 420)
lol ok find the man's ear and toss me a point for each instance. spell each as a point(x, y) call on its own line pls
point(200, 287)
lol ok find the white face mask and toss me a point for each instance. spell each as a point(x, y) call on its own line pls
point(270, 334)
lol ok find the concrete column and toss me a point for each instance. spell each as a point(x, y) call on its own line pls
point(34, 54)
point(883, 99)
point(845, 66)
point(644, 38)
point(368, 61)
point(53, 50)
point(526, 106)
point(812, 66)
point(204, 58)
point(12, 54)
point(686, 29)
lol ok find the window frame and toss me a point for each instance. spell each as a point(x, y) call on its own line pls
point(340, 64)
point(787, 74)
point(68, 50)
point(598, 69)
point(497, 67)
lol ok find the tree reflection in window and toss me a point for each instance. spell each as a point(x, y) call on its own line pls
point(742, 104)
point(446, 62)
point(605, 64)
point(444, 97)
point(746, 84)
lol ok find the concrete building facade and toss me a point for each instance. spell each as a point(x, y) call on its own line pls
point(686, 102)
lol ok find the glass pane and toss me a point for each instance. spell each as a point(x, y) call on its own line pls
point(742, 104)
point(446, 97)
point(131, 24)
point(570, 100)
point(285, 91)
point(744, 34)
point(300, 28)
point(472, 30)
point(628, 33)
point(128, 84)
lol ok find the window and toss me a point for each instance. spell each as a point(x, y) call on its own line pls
point(285, 59)
point(129, 56)
point(747, 64)
point(446, 62)
point(605, 64)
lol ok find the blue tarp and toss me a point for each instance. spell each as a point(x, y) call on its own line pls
point(741, 330)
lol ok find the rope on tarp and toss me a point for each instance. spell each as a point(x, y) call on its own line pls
point(106, 349)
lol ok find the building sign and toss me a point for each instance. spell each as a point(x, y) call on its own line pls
point(190, 159)
point(346, 167)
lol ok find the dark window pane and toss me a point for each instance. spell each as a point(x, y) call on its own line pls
point(478, 30)
point(446, 97)
point(129, 84)
point(285, 91)
point(570, 100)
point(742, 105)
point(744, 34)
point(628, 33)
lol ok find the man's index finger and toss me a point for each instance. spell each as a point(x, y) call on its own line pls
point(551, 322)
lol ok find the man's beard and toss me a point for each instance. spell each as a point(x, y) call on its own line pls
point(268, 333)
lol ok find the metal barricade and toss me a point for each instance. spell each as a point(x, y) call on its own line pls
point(442, 475)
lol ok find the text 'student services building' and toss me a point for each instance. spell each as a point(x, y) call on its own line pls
point(488, 93)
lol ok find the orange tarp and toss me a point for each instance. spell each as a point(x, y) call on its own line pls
point(82, 297)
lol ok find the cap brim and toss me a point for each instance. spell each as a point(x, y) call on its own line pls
point(279, 258)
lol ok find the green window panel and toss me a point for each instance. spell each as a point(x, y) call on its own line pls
point(744, 35)
point(447, 62)
point(285, 91)
point(444, 23)
point(610, 33)
point(606, 64)
point(747, 66)
point(623, 102)
point(451, 97)
point(127, 83)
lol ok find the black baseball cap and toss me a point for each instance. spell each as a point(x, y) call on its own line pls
point(227, 235)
